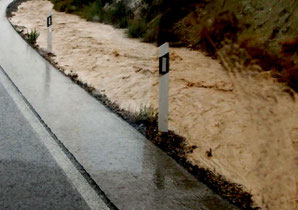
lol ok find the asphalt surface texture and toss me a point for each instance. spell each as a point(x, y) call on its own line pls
point(29, 176)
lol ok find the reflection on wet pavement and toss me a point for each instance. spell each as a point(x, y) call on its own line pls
point(30, 178)
point(132, 172)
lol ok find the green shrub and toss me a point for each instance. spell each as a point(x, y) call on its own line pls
point(152, 30)
point(123, 23)
point(32, 36)
point(136, 29)
point(150, 35)
point(119, 15)
point(92, 11)
point(63, 6)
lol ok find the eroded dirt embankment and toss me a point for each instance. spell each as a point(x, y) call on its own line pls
point(244, 126)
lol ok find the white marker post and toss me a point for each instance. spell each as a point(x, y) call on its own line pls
point(49, 24)
point(164, 66)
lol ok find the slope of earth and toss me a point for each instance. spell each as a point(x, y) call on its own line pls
point(267, 30)
point(244, 128)
point(268, 21)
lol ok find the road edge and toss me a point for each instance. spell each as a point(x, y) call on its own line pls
point(77, 175)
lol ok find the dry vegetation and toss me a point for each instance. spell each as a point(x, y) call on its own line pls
point(282, 59)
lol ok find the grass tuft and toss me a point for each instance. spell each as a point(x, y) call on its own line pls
point(32, 36)
point(147, 114)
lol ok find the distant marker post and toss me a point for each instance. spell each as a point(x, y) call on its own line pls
point(164, 66)
point(49, 27)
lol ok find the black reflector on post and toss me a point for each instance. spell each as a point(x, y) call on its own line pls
point(164, 66)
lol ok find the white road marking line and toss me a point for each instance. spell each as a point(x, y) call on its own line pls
point(78, 181)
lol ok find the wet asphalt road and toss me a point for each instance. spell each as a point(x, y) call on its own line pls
point(29, 176)
point(130, 170)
